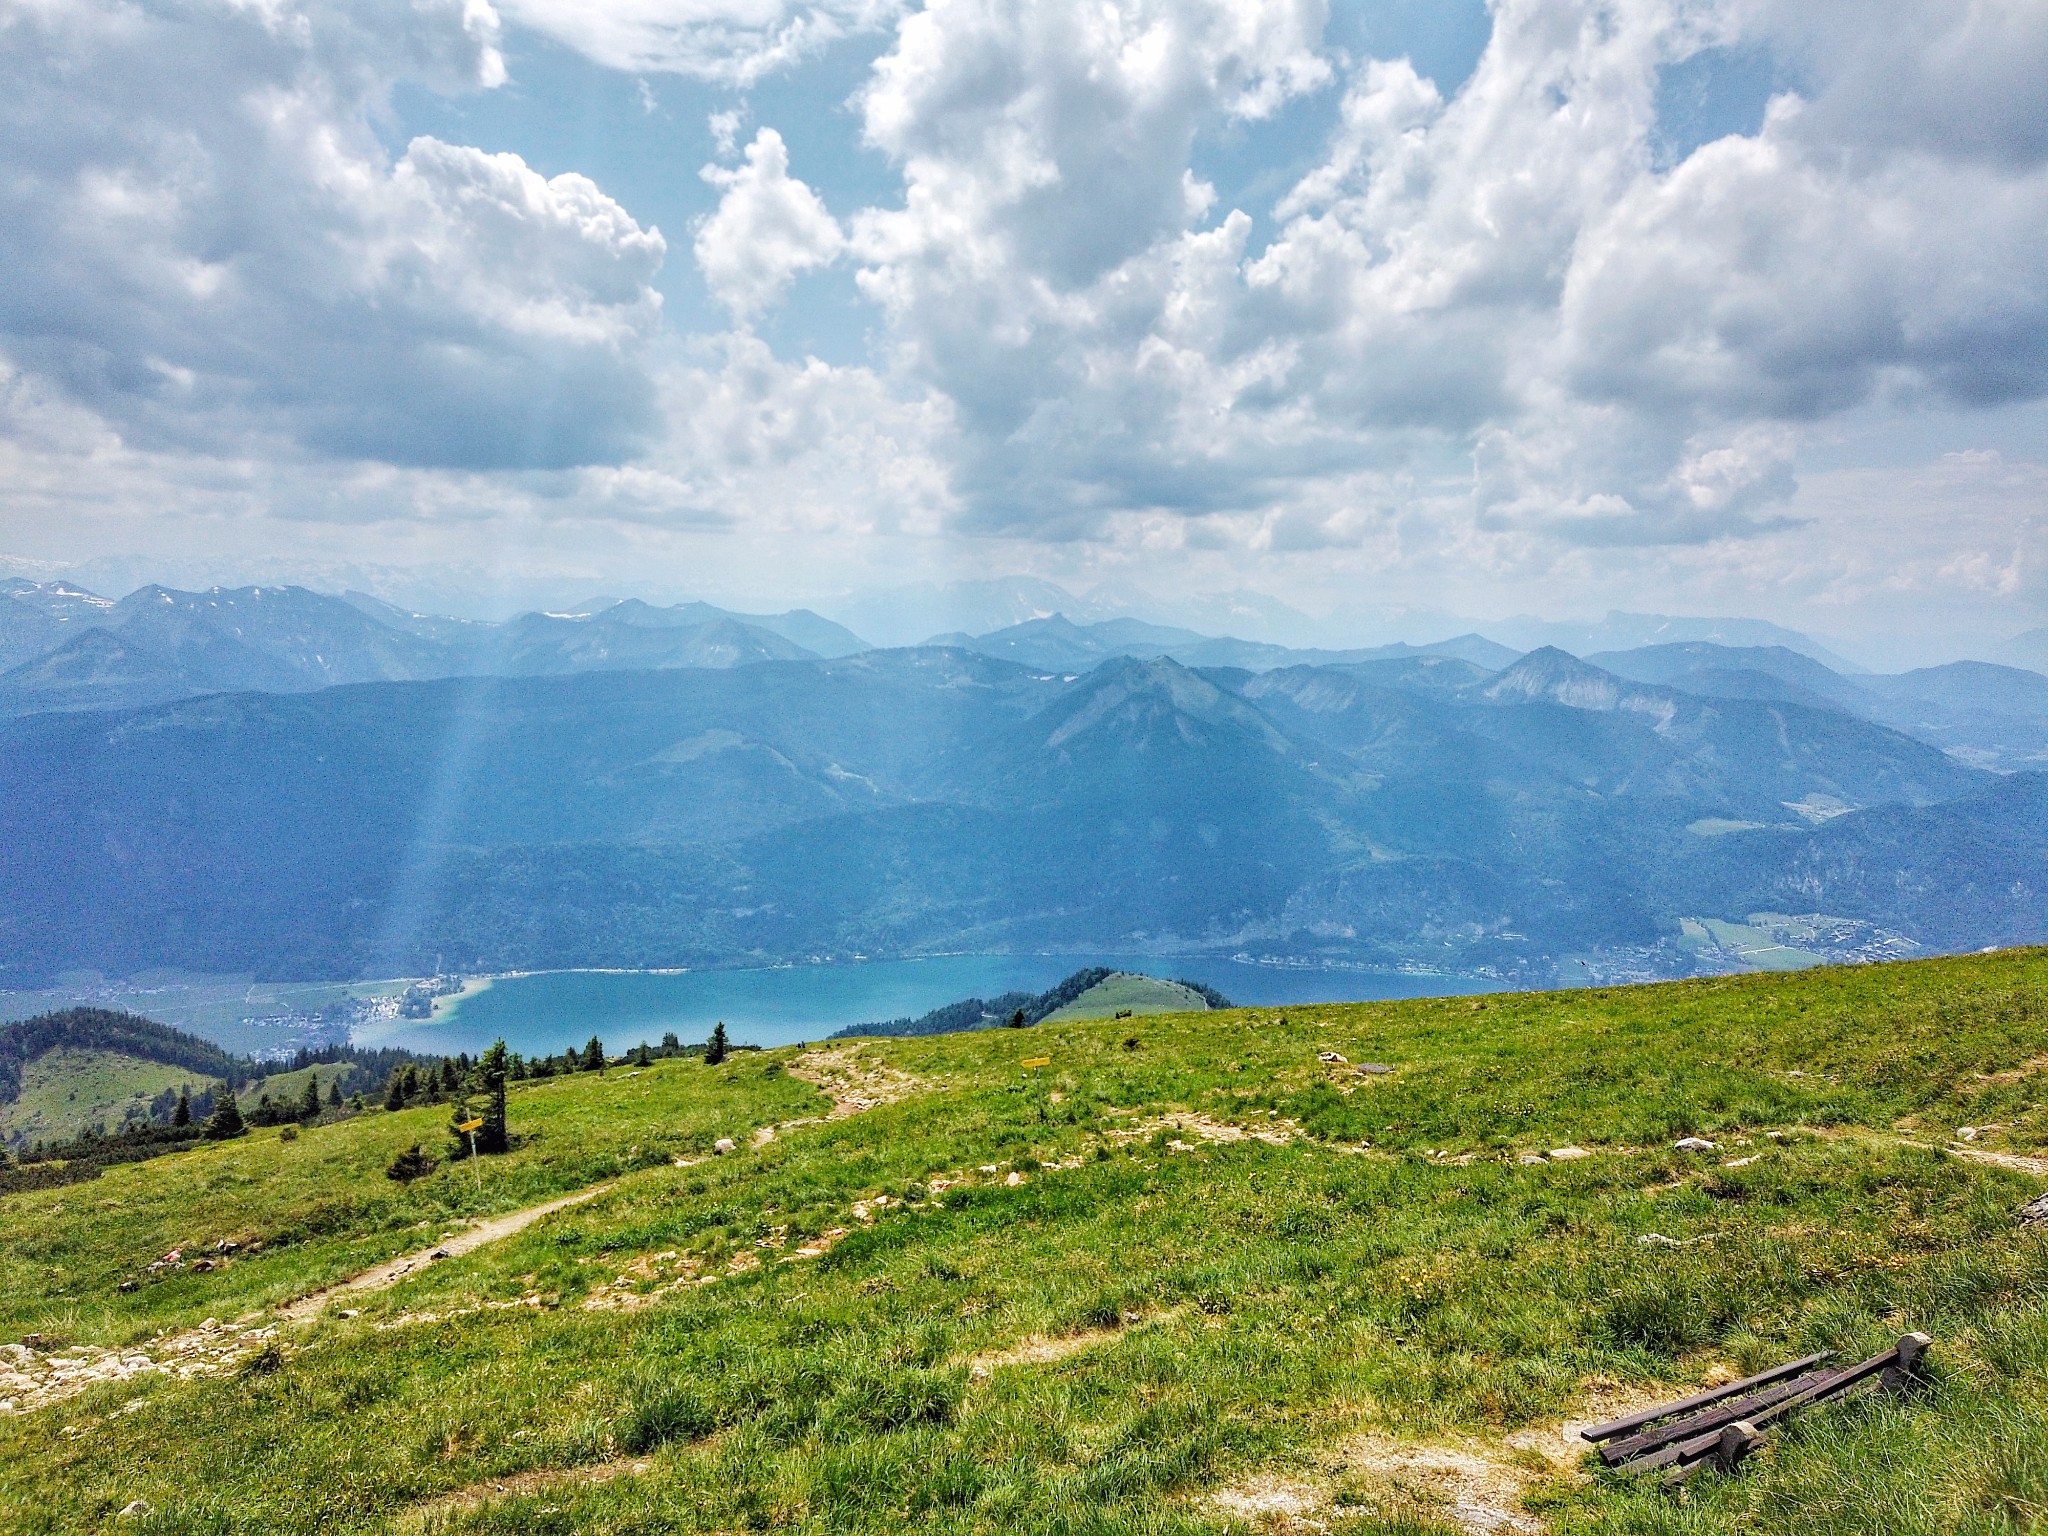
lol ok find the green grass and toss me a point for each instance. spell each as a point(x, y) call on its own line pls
point(1122, 991)
point(65, 1091)
point(1429, 1288)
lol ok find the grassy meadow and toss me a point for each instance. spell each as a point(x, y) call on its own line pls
point(64, 1091)
point(1187, 1277)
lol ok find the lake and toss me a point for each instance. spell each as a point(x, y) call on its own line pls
point(541, 1013)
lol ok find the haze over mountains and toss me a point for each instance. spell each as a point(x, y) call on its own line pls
point(278, 781)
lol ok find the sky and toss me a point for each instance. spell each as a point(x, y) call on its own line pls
point(1399, 312)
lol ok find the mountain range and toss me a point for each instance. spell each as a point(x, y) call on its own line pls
point(62, 648)
point(1416, 810)
point(65, 648)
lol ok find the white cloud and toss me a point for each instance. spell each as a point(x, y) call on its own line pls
point(233, 258)
point(768, 227)
point(734, 42)
point(1500, 291)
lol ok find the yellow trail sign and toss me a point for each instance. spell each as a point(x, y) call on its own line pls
point(470, 1125)
point(1036, 1061)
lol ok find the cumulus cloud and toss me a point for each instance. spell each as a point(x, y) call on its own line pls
point(768, 227)
point(734, 42)
point(1617, 350)
point(232, 257)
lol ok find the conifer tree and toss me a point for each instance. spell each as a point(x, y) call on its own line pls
point(309, 1101)
point(334, 1093)
point(492, 1136)
point(226, 1122)
point(394, 1091)
point(182, 1115)
point(593, 1055)
point(716, 1047)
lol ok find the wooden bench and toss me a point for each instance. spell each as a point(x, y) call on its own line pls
point(1725, 1424)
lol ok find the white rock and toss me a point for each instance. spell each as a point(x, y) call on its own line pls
point(135, 1511)
point(1695, 1144)
point(1966, 1133)
point(723, 1145)
point(1568, 1154)
point(1533, 1157)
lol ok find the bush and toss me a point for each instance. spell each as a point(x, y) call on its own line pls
point(661, 1411)
point(410, 1164)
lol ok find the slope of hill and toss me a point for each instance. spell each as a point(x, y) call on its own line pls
point(1990, 716)
point(1124, 992)
point(1097, 992)
point(1196, 1274)
point(61, 1073)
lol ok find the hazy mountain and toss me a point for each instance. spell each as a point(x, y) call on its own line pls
point(38, 616)
point(623, 639)
point(1404, 811)
point(804, 629)
point(1057, 644)
point(1702, 667)
point(906, 615)
point(1988, 715)
point(2028, 650)
point(1634, 631)
point(158, 644)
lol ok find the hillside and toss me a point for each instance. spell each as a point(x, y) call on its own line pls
point(1094, 993)
point(64, 1091)
point(1410, 811)
point(1121, 992)
point(1199, 1273)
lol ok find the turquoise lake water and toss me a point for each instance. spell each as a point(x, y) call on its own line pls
point(540, 1014)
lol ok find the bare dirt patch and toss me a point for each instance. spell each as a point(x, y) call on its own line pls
point(32, 1378)
point(853, 1083)
point(1475, 1485)
point(1184, 1124)
point(1046, 1349)
point(426, 1517)
point(383, 1276)
point(2038, 1166)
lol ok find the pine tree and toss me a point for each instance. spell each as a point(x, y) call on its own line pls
point(182, 1115)
point(492, 1136)
point(450, 1078)
point(593, 1055)
point(226, 1122)
point(334, 1094)
point(1017, 1019)
point(394, 1091)
point(309, 1101)
point(716, 1047)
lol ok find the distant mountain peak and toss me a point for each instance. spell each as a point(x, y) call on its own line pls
point(1558, 677)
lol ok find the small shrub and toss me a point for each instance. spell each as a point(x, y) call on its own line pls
point(410, 1164)
point(662, 1411)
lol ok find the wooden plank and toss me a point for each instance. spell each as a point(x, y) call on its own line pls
point(1725, 1412)
point(1812, 1390)
point(1832, 1384)
point(1601, 1432)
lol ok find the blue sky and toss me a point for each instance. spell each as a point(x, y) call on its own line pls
point(1394, 313)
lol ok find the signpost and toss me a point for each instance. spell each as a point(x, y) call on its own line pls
point(1035, 1061)
point(469, 1128)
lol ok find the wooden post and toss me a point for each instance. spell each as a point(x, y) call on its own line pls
point(1905, 1376)
point(1737, 1441)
